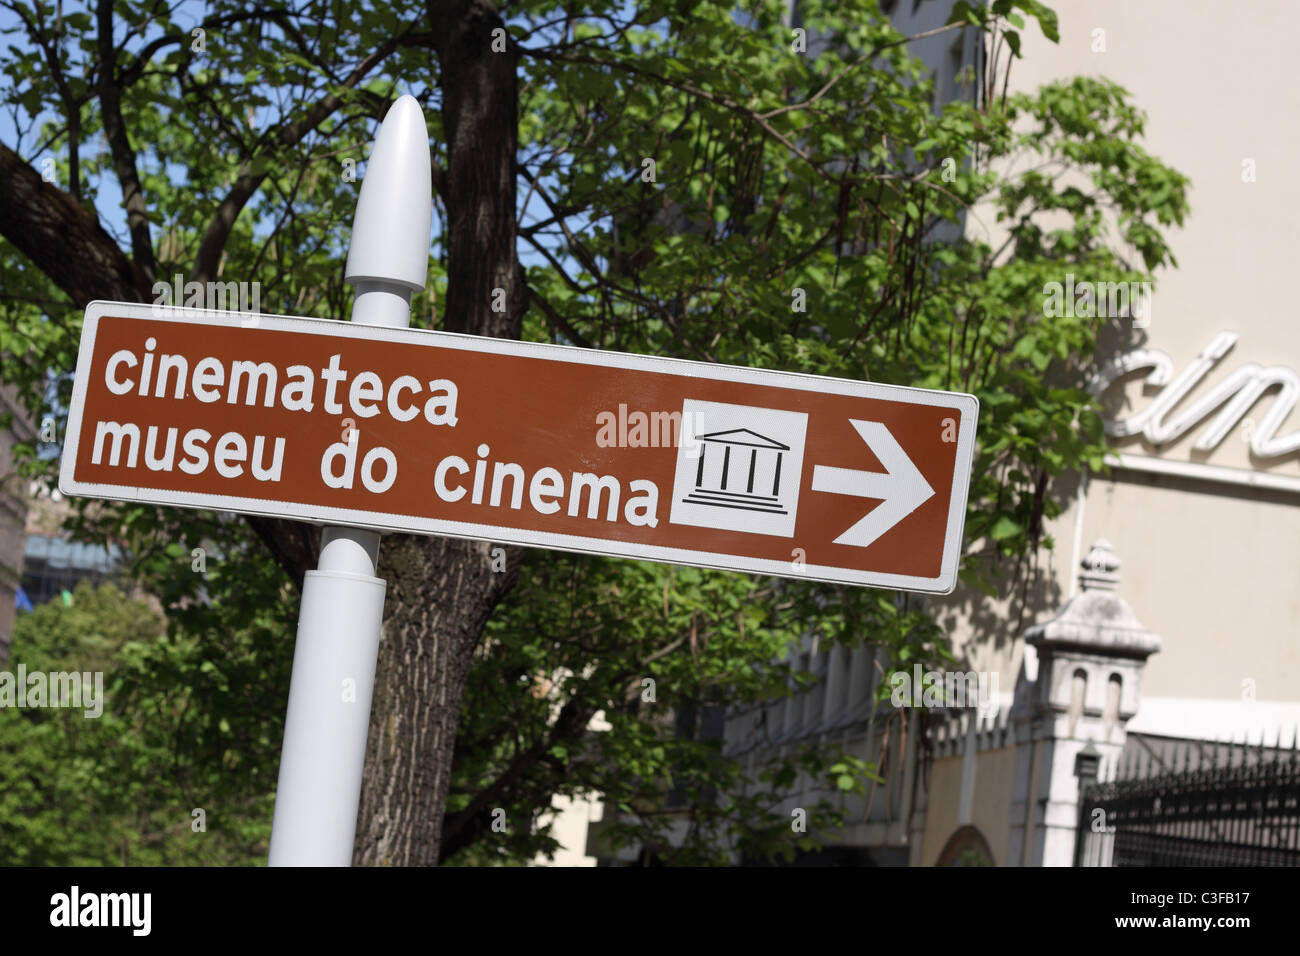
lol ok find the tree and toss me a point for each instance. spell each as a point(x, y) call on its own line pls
point(54, 806)
point(692, 185)
point(82, 785)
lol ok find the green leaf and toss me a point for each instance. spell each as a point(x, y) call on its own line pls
point(1005, 528)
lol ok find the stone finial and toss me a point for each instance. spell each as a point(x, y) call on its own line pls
point(1096, 619)
point(1100, 568)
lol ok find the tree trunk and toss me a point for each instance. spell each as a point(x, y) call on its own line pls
point(441, 591)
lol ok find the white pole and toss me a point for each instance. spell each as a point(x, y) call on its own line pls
point(324, 749)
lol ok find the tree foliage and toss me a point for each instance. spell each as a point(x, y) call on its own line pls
point(692, 184)
point(123, 786)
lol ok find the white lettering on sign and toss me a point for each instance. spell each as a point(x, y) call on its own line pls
point(545, 488)
point(1236, 394)
point(122, 442)
point(252, 383)
point(1228, 402)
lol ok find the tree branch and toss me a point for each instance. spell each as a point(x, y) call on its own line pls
point(464, 828)
point(119, 144)
point(64, 239)
point(254, 170)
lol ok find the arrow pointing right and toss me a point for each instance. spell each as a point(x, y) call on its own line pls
point(902, 488)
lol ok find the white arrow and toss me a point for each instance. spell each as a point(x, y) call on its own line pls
point(902, 488)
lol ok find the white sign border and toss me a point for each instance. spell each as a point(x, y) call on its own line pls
point(944, 583)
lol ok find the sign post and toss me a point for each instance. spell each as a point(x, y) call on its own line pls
point(324, 750)
point(371, 426)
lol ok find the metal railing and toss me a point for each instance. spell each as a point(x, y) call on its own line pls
point(1206, 804)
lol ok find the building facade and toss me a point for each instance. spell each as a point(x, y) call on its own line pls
point(1161, 634)
point(1201, 500)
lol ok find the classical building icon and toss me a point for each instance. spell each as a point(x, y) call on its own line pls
point(739, 468)
point(734, 458)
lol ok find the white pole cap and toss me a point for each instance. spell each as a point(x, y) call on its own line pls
point(390, 232)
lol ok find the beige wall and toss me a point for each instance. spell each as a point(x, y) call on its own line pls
point(994, 780)
point(1213, 568)
point(995, 777)
point(941, 807)
point(1217, 576)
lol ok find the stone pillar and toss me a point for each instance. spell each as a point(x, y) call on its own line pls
point(1084, 689)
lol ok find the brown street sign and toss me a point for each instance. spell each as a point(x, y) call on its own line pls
point(518, 442)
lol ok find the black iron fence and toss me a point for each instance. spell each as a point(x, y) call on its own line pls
point(1194, 803)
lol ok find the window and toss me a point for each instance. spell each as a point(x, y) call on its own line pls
point(52, 565)
point(966, 847)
